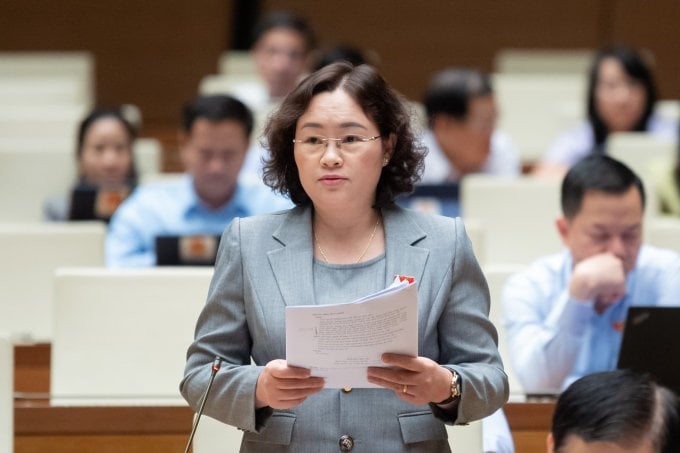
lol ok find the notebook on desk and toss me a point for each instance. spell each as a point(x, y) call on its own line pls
point(439, 199)
point(651, 345)
point(190, 250)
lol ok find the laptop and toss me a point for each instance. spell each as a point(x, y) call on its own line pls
point(439, 199)
point(90, 203)
point(189, 250)
point(650, 344)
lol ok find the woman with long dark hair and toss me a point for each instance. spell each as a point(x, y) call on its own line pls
point(621, 98)
point(104, 160)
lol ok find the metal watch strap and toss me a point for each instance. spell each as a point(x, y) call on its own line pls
point(455, 389)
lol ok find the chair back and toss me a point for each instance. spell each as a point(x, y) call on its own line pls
point(76, 66)
point(663, 232)
point(516, 215)
point(31, 254)
point(466, 438)
point(496, 276)
point(28, 178)
point(122, 335)
point(148, 155)
point(534, 109)
point(639, 150)
point(544, 61)
point(237, 63)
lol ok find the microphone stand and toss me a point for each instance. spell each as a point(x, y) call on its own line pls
point(215, 368)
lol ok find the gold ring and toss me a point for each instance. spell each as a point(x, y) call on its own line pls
point(405, 388)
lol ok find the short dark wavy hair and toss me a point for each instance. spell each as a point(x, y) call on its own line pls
point(386, 108)
point(622, 407)
point(215, 108)
point(597, 173)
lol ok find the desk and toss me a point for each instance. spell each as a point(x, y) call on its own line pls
point(40, 427)
point(32, 367)
point(530, 424)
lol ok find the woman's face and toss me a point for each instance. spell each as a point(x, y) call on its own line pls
point(106, 156)
point(619, 99)
point(344, 176)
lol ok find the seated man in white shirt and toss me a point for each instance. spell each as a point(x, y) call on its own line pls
point(281, 49)
point(564, 315)
point(283, 43)
point(213, 144)
point(462, 137)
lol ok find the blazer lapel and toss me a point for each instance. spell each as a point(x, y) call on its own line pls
point(402, 256)
point(292, 263)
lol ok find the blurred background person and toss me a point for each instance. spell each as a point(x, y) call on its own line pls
point(462, 136)
point(213, 144)
point(621, 98)
point(282, 51)
point(615, 411)
point(105, 162)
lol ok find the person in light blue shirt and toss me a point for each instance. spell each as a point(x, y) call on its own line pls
point(564, 315)
point(213, 146)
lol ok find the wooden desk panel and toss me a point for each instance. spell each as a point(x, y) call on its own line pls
point(530, 425)
point(100, 444)
point(39, 427)
point(531, 416)
point(39, 417)
point(32, 368)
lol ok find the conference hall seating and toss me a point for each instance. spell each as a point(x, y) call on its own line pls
point(32, 252)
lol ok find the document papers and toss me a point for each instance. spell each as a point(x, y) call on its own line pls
point(339, 341)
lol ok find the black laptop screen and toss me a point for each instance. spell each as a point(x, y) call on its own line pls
point(439, 199)
point(189, 250)
point(89, 203)
point(650, 344)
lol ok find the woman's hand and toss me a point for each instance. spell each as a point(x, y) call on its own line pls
point(280, 386)
point(417, 380)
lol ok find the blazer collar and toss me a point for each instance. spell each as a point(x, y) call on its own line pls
point(292, 263)
point(403, 254)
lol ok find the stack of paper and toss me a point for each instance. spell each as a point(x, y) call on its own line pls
point(339, 341)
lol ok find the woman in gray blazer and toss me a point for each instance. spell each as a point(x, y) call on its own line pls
point(342, 148)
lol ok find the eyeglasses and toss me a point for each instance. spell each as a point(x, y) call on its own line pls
point(350, 142)
point(612, 87)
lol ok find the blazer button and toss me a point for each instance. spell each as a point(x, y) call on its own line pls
point(347, 389)
point(346, 443)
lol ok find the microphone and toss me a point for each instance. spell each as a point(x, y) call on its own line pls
point(215, 368)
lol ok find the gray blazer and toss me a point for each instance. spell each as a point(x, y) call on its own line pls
point(265, 263)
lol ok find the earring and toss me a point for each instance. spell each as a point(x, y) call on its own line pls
point(386, 161)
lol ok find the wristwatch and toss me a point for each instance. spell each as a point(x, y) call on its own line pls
point(455, 389)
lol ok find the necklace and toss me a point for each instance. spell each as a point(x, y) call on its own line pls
point(368, 244)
